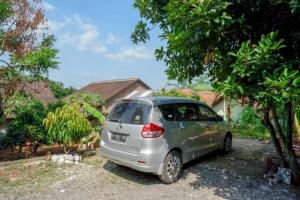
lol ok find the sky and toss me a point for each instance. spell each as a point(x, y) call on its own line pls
point(93, 39)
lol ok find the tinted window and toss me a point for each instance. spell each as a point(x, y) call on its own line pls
point(167, 111)
point(206, 113)
point(130, 113)
point(187, 112)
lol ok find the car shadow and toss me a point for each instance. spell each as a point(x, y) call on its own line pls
point(228, 176)
point(148, 178)
point(131, 174)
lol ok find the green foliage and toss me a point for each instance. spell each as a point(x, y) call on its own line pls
point(249, 125)
point(4, 11)
point(51, 107)
point(199, 34)
point(36, 62)
point(27, 124)
point(59, 90)
point(260, 74)
point(94, 112)
point(175, 93)
point(200, 87)
point(90, 98)
point(67, 125)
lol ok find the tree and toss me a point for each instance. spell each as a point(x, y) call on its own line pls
point(175, 93)
point(67, 125)
point(22, 53)
point(90, 98)
point(59, 90)
point(91, 105)
point(262, 68)
point(27, 125)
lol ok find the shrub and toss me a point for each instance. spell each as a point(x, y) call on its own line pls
point(67, 125)
point(27, 125)
point(175, 93)
point(249, 125)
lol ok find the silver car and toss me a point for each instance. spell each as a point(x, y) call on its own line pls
point(158, 134)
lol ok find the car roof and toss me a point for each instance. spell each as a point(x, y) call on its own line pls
point(157, 100)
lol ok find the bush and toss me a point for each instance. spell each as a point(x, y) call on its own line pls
point(248, 125)
point(27, 125)
point(59, 90)
point(175, 93)
point(67, 125)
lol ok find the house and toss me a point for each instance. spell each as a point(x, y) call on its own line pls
point(37, 89)
point(217, 102)
point(111, 90)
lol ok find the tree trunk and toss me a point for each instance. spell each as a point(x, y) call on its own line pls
point(228, 110)
point(277, 125)
point(275, 140)
point(289, 143)
point(296, 126)
point(1, 110)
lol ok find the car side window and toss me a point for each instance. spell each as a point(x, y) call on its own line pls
point(206, 114)
point(186, 112)
point(167, 111)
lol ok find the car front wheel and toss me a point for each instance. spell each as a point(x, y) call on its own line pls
point(172, 168)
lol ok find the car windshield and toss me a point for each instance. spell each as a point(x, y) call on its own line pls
point(130, 113)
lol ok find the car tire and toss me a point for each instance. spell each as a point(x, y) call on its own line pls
point(227, 145)
point(172, 168)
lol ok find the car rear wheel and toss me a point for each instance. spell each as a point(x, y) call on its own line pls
point(227, 143)
point(172, 168)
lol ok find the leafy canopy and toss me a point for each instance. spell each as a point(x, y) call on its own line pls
point(59, 90)
point(175, 93)
point(199, 34)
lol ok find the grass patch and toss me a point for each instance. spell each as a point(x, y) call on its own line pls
point(251, 134)
point(28, 176)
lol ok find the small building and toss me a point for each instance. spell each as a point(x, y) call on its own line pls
point(111, 90)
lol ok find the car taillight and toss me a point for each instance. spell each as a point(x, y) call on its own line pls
point(152, 131)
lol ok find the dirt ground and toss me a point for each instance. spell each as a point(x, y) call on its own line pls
point(237, 175)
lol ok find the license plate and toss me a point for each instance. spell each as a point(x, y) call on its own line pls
point(119, 137)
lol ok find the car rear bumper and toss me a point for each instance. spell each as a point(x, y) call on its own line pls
point(153, 162)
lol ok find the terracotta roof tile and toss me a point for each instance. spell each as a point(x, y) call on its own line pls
point(39, 90)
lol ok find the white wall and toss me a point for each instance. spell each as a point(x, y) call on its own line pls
point(236, 109)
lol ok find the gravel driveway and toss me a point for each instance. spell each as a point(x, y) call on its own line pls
point(215, 176)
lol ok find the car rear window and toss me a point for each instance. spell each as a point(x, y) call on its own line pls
point(130, 113)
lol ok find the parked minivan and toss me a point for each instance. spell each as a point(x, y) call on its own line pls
point(159, 134)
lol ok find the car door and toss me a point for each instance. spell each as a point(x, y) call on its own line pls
point(213, 126)
point(186, 116)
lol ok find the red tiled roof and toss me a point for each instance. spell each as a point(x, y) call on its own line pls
point(39, 90)
point(108, 89)
point(209, 97)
